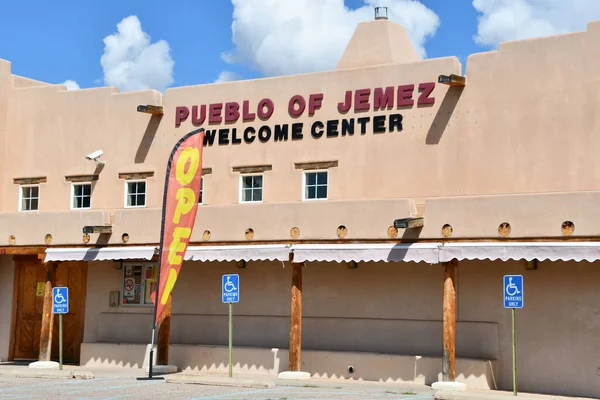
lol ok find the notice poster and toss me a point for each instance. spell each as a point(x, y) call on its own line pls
point(129, 288)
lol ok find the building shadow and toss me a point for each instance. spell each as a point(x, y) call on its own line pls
point(440, 122)
point(147, 139)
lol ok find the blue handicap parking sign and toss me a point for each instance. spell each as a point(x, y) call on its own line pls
point(513, 291)
point(60, 300)
point(230, 288)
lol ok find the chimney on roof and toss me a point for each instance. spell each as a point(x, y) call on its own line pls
point(381, 13)
point(378, 42)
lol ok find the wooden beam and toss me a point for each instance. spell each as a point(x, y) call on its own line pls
point(21, 250)
point(449, 322)
point(136, 175)
point(164, 335)
point(81, 178)
point(252, 169)
point(47, 315)
point(316, 165)
point(295, 352)
point(150, 109)
point(29, 181)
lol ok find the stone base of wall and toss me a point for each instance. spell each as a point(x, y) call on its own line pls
point(476, 374)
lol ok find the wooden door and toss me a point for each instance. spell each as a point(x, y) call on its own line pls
point(74, 276)
point(28, 323)
point(30, 273)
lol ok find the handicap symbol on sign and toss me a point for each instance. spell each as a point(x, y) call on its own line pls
point(229, 286)
point(511, 288)
point(59, 298)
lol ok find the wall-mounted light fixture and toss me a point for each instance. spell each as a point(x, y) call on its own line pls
point(409, 223)
point(97, 229)
point(352, 264)
point(452, 80)
point(241, 264)
point(150, 109)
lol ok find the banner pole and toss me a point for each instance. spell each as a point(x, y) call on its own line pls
point(157, 290)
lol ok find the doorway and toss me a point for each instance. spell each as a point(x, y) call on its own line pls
point(30, 276)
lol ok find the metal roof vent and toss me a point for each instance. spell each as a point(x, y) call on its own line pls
point(381, 13)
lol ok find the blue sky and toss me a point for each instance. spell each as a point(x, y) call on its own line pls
point(63, 40)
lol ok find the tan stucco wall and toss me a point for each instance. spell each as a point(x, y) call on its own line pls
point(7, 271)
point(390, 308)
point(519, 126)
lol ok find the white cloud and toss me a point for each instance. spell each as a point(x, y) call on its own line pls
point(502, 20)
point(131, 62)
point(71, 85)
point(227, 76)
point(288, 37)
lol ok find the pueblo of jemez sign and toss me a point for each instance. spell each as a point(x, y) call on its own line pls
point(390, 100)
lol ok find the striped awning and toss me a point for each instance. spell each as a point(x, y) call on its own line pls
point(415, 252)
point(431, 253)
point(272, 252)
point(529, 251)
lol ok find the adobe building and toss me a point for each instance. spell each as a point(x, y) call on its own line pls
point(370, 211)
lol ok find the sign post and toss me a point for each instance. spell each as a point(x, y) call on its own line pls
point(60, 306)
point(513, 299)
point(230, 291)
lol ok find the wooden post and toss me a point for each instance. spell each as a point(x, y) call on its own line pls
point(47, 316)
point(449, 322)
point(164, 334)
point(296, 318)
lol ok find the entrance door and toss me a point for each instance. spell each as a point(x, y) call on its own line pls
point(74, 276)
point(31, 272)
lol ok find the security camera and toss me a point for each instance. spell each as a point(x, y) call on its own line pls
point(95, 155)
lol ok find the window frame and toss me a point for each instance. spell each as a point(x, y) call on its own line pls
point(21, 187)
point(72, 198)
point(241, 188)
point(126, 192)
point(144, 265)
point(304, 182)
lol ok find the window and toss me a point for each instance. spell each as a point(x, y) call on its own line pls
point(315, 185)
point(139, 282)
point(82, 195)
point(251, 188)
point(29, 198)
point(201, 197)
point(135, 193)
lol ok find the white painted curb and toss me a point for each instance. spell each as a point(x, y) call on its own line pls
point(293, 375)
point(44, 365)
point(455, 386)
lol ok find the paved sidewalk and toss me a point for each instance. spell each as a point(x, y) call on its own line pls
point(264, 381)
point(497, 395)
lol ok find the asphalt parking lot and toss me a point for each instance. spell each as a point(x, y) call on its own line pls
point(106, 388)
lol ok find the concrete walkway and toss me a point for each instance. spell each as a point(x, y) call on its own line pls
point(263, 381)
